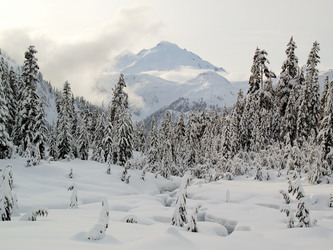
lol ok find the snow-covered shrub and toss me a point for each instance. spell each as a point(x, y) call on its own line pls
point(228, 176)
point(130, 219)
point(193, 220)
point(50, 159)
point(259, 175)
point(74, 199)
point(97, 232)
point(32, 214)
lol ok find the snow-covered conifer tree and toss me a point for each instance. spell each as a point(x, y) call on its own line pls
point(104, 214)
point(29, 112)
point(8, 202)
point(5, 140)
point(287, 79)
point(65, 124)
point(179, 217)
point(325, 135)
point(98, 230)
point(308, 112)
point(122, 126)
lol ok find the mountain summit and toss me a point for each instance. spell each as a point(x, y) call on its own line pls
point(164, 56)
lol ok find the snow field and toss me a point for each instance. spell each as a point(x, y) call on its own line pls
point(250, 220)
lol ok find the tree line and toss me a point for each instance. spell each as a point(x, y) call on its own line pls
point(284, 126)
point(79, 126)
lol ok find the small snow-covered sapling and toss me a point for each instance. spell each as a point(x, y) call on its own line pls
point(98, 230)
point(143, 176)
point(227, 196)
point(108, 171)
point(8, 200)
point(70, 175)
point(104, 214)
point(179, 217)
point(74, 199)
point(193, 220)
point(125, 176)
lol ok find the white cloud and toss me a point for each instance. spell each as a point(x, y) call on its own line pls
point(81, 60)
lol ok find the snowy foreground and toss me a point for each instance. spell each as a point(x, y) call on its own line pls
point(251, 219)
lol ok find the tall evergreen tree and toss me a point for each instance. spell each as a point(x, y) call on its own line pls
point(65, 123)
point(308, 113)
point(287, 76)
point(29, 112)
point(13, 102)
point(121, 121)
point(325, 136)
point(5, 141)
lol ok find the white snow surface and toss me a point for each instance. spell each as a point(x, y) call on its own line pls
point(251, 219)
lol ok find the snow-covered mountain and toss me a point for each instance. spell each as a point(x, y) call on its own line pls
point(165, 56)
point(165, 74)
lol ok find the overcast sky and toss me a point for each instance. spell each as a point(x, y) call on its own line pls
point(75, 39)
